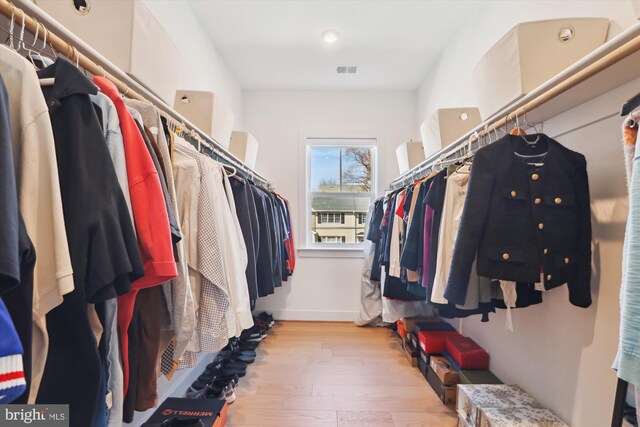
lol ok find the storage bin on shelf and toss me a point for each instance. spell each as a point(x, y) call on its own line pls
point(409, 155)
point(530, 54)
point(445, 126)
point(140, 46)
point(244, 146)
point(208, 112)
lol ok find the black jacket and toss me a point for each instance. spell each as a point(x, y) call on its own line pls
point(523, 220)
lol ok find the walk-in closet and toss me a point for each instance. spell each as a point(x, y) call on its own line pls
point(299, 213)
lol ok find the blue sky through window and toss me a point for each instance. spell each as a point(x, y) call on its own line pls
point(325, 166)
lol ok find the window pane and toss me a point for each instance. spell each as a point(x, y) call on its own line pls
point(356, 169)
point(324, 163)
point(338, 219)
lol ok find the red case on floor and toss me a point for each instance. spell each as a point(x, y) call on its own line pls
point(401, 330)
point(466, 353)
point(434, 342)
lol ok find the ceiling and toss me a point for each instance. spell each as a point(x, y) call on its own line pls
point(276, 44)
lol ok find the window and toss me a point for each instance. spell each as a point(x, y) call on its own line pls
point(340, 187)
point(331, 218)
point(333, 239)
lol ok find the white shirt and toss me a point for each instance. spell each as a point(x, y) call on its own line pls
point(39, 198)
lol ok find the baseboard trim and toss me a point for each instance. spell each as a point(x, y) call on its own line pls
point(312, 315)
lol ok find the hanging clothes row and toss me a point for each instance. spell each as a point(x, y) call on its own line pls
point(125, 251)
point(495, 230)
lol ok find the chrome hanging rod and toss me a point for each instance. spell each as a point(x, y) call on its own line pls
point(616, 49)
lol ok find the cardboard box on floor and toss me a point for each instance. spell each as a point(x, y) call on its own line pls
point(412, 354)
point(445, 372)
point(212, 412)
point(446, 393)
point(410, 322)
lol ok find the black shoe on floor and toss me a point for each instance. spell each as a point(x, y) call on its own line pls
point(202, 383)
point(253, 334)
point(267, 318)
point(215, 390)
point(245, 356)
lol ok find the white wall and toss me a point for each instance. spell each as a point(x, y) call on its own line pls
point(448, 83)
point(322, 288)
point(202, 66)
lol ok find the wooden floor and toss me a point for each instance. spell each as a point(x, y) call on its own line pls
point(334, 374)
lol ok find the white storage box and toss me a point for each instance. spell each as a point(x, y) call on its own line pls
point(445, 126)
point(473, 398)
point(208, 112)
point(127, 34)
point(520, 417)
point(409, 155)
point(245, 147)
point(530, 54)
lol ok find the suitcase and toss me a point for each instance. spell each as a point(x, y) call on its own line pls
point(466, 353)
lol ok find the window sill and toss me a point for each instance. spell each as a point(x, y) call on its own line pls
point(330, 253)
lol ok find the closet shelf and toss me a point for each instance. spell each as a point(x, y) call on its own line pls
point(77, 51)
point(624, 71)
point(611, 65)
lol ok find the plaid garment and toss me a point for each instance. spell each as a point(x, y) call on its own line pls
point(211, 328)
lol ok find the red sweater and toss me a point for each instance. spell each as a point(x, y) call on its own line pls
point(149, 215)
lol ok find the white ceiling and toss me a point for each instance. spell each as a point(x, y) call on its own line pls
point(276, 44)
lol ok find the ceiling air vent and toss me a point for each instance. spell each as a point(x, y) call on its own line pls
point(346, 69)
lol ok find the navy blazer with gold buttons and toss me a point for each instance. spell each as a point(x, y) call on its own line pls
point(526, 222)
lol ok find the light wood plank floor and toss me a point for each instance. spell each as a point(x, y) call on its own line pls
point(334, 374)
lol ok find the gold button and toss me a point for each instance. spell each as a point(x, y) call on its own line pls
point(546, 251)
point(514, 194)
point(558, 200)
point(535, 176)
point(540, 226)
point(549, 277)
point(566, 260)
point(537, 200)
point(505, 256)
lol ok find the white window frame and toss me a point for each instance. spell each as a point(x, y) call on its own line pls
point(307, 247)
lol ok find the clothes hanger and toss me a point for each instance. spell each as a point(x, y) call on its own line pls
point(45, 58)
point(630, 105)
point(517, 130)
point(531, 126)
point(231, 168)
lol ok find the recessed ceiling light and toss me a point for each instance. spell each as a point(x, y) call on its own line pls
point(464, 116)
point(185, 99)
point(330, 36)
